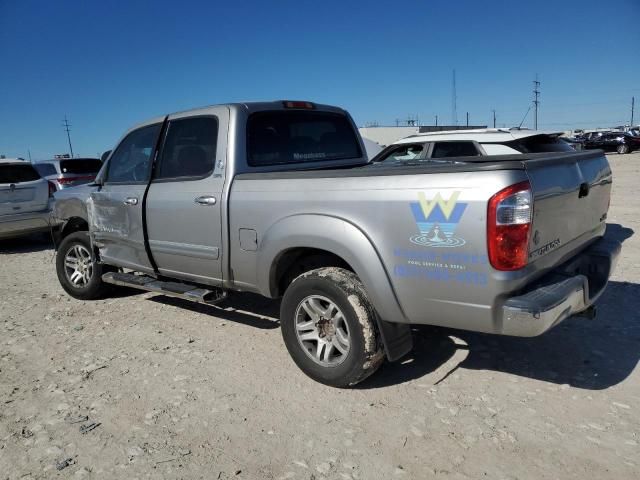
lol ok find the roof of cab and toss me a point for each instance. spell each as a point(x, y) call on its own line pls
point(247, 106)
point(479, 135)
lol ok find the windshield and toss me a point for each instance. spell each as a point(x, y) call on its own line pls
point(288, 137)
point(45, 169)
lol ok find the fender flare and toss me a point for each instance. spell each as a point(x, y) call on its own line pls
point(346, 240)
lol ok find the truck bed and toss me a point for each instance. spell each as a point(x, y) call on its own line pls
point(455, 286)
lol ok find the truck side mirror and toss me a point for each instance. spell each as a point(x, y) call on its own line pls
point(105, 155)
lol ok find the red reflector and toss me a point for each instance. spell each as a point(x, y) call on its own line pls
point(297, 104)
point(508, 227)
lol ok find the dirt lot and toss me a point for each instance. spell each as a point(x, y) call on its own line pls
point(184, 391)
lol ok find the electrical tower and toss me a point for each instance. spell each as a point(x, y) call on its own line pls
point(454, 101)
point(536, 101)
point(66, 128)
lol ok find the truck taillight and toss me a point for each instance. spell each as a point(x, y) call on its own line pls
point(509, 218)
point(52, 188)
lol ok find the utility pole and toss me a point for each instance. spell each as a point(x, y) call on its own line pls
point(454, 101)
point(436, 120)
point(494, 118)
point(66, 127)
point(633, 104)
point(467, 119)
point(536, 102)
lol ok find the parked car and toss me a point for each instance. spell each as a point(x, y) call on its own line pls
point(471, 143)
point(612, 142)
point(68, 172)
point(278, 198)
point(25, 199)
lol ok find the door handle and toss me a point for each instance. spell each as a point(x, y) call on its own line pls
point(206, 200)
point(130, 201)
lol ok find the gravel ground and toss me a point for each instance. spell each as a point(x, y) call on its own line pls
point(177, 390)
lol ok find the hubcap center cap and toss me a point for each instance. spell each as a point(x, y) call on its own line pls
point(326, 328)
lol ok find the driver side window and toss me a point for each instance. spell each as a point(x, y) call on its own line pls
point(131, 162)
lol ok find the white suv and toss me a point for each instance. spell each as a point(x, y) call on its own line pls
point(25, 199)
point(470, 143)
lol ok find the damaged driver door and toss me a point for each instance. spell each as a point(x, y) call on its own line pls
point(116, 209)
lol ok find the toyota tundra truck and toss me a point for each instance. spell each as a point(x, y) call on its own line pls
point(279, 199)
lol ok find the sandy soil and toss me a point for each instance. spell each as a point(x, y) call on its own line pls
point(177, 390)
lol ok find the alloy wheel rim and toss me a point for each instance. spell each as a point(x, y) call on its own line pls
point(78, 266)
point(322, 331)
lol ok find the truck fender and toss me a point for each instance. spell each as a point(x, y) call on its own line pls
point(67, 214)
point(344, 239)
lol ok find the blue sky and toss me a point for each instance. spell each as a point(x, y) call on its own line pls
point(108, 64)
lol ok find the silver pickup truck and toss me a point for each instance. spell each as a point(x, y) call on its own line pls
point(278, 199)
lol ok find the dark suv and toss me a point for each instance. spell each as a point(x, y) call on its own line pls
point(611, 141)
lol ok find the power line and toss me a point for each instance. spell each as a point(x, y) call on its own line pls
point(536, 102)
point(66, 126)
point(525, 116)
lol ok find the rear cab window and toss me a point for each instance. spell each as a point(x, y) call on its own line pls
point(18, 173)
point(299, 137)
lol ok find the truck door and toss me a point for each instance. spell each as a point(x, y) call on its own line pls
point(115, 211)
point(184, 199)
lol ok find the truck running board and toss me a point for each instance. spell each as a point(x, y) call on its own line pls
point(172, 289)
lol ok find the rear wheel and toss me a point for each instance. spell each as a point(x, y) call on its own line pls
point(78, 271)
point(622, 148)
point(329, 327)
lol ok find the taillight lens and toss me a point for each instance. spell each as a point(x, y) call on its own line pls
point(78, 178)
point(52, 188)
point(509, 218)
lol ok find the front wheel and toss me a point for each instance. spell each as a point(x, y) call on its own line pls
point(78, 271)
point(329, 327)
point(622, 148)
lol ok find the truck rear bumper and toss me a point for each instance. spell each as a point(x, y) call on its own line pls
point(569, 290)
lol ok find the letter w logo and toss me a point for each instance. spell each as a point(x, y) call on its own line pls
point(446, 206)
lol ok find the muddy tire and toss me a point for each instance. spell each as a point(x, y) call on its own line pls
point(329, 327)
point(78, 271)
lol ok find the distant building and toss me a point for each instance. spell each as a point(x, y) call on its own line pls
point(384, 136)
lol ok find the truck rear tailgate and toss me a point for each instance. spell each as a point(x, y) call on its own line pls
point(571, 198)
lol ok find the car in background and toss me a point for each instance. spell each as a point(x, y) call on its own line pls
point(611, 142)
point(438, 146)
point(68, 172)
point(574, 142)
point(25, 199)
